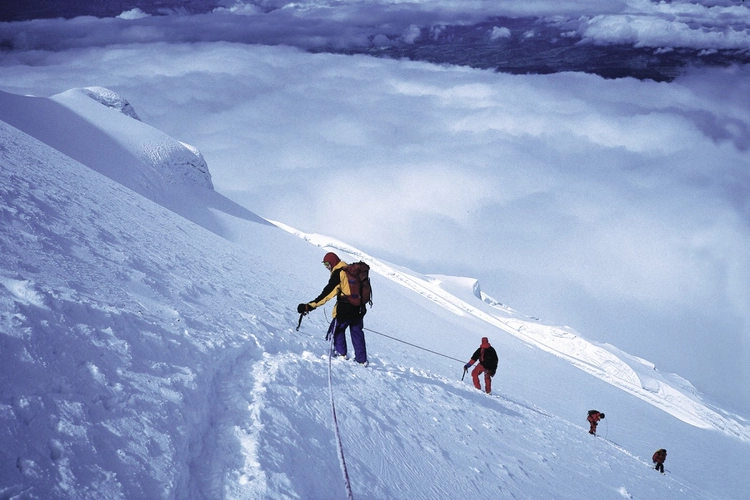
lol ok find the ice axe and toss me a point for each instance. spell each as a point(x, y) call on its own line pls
point(303, 309)
point(302, 315)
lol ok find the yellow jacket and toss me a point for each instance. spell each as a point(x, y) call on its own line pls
point(338, 286)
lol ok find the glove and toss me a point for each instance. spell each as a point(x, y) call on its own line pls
point(467, 366)
point(303, 308)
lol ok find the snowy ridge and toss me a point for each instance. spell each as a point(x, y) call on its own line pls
point(420, 285)
point(173, 161)
point(111, 100)
point(629, 373)
point(100, 129)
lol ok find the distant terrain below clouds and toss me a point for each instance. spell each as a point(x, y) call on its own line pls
point(638, 38)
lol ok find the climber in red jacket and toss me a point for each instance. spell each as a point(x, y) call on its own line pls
point(659, 457)
point(593, 418)
point(487, 357)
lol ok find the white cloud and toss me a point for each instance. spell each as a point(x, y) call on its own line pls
point(412, 33)
point(673, 24)
point(497, 33)
point(133, 14)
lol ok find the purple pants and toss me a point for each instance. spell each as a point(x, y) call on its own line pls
point(357, 333)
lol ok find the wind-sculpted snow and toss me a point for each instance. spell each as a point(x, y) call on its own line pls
point(111, 100)
point(99, 128)
point(174, 161)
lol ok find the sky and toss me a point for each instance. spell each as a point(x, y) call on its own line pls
point(618, 207)
point(147, 327)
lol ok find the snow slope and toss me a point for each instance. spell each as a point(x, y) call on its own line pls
point(636, 376)
point(100, 129)
point(147, 328)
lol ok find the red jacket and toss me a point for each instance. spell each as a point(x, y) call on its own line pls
point(660, 456)
point(594, 417)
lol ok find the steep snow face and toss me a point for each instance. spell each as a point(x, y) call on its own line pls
point(90, 407)
point(119, 146)
point(171, 160)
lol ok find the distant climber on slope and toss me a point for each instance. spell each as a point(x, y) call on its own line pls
point(487, 358)
point(659, 457)
point(345, 315)
point(593, 418)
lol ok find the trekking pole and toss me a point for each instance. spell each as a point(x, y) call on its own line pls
point(462, 376)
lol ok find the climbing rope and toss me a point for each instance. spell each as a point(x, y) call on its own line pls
point(413, 345)
point(394, 338)
point(342, 459)
point(606, 431)
point(337, 431)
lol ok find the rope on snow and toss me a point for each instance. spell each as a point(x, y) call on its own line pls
point(337, 431)
point(413, 345)
point(342, 459)
point(399, 340)
point(606, 431)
